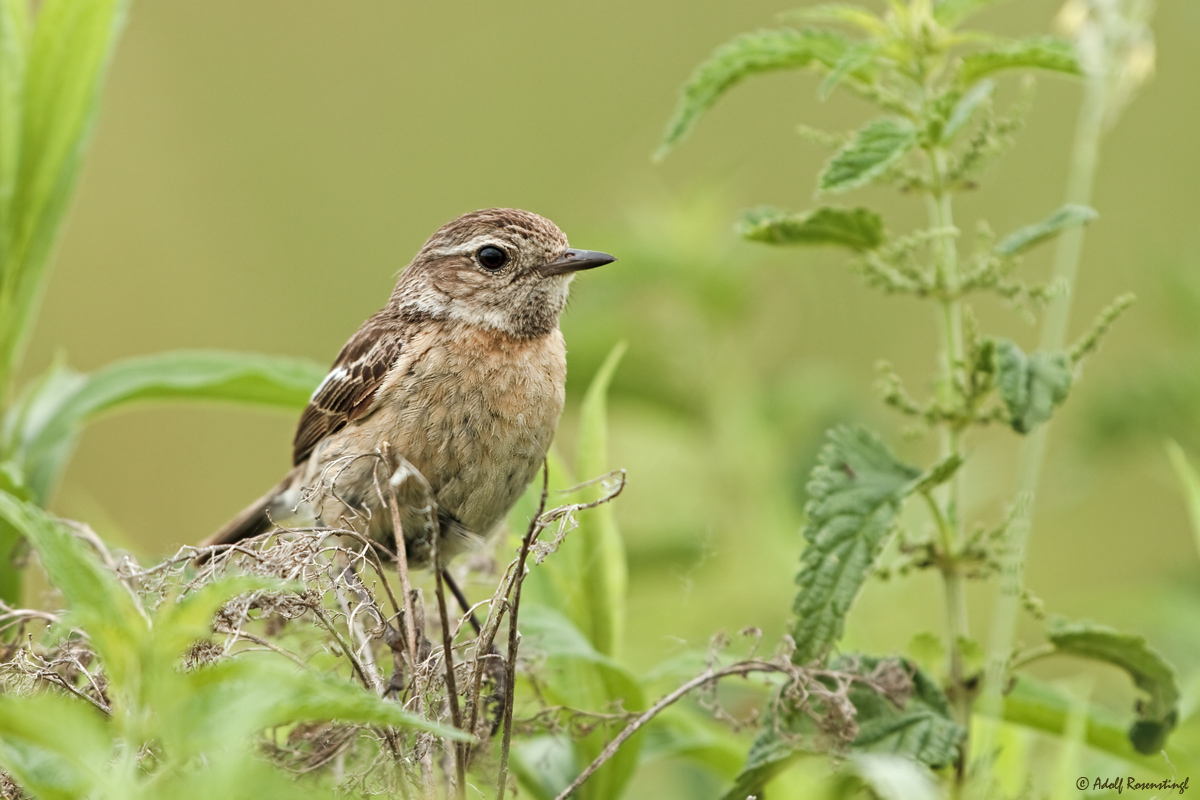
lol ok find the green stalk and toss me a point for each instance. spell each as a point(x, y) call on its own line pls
point(952, 357)
point(1085, 154)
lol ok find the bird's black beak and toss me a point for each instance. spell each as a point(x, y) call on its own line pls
point(576, 260)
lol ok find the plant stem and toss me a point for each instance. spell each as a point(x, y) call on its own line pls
point(1085, 154)
point(952, 359)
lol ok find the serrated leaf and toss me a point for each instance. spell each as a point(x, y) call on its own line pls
point(939, 473)
point(855, 492)
point(1022, 239)
point(873, 149)
point(746, 55)
point(1158, 713)
point(923, 729)
point(965, 108)
point(41, 430)
point(856, 228)
point(952, 12)
point(920, 728)
point(1030, 386)
point(1044, 53)
point(851, 61)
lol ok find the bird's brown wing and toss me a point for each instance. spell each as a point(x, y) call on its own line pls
point(348, 391)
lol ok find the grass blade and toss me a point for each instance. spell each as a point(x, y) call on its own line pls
point(69, 53)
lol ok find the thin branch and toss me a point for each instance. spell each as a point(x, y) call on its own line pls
point(510, 667)
point(744, 668)
point(460, 767)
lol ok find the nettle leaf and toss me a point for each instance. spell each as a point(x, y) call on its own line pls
point(851, 61)
point(1158, 713)
point(857, 228)
point(1031, 386)
point(922, 727)
point(1042, 52)
point(873, 149)
point(746, 55)
point(1022, 239)
point(965, 108)
point(856, 491)
point(915, 724)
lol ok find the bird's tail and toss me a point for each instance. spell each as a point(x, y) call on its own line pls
point(253, 520)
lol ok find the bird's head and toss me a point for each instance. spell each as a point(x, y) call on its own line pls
point(499, 268)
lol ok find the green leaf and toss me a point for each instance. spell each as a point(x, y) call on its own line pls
point(576, 603)
point(1158, 713)
point(41, 431)
point(1031, 386)
point(952, 12)
point(577, 675)
point(267, 691)
point(852, 60)
point(14, 47)
point(97, 601)
point(855, 492)
point(979, 95)
point(68, 55)
point(857, 228)
point(1190, 481)
point(1022, 239)
point(1035, 705)
point(746, 55)
point(1044, 52)
point(54, 747)
point(692, 735)
point(923, 728)
point(177, 624)
point(602, 572)
point(895, 777)
point(12, 482)
point(874, 148)
point(918, 727)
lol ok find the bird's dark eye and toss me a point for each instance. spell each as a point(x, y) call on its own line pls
point(491, 257)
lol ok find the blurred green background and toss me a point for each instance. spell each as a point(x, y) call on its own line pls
point(262, 170)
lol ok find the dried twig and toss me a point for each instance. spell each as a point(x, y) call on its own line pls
point(510, 667)
point(743, 668)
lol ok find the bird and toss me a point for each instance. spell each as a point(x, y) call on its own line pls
point(455, 385)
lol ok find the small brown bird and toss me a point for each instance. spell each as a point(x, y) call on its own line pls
point(462, 374)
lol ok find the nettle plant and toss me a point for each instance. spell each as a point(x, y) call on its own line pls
point(938, 131)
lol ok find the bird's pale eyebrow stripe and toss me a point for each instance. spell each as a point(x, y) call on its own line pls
point(471, 245)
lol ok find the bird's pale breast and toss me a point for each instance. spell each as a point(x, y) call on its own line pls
point(474, 410)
